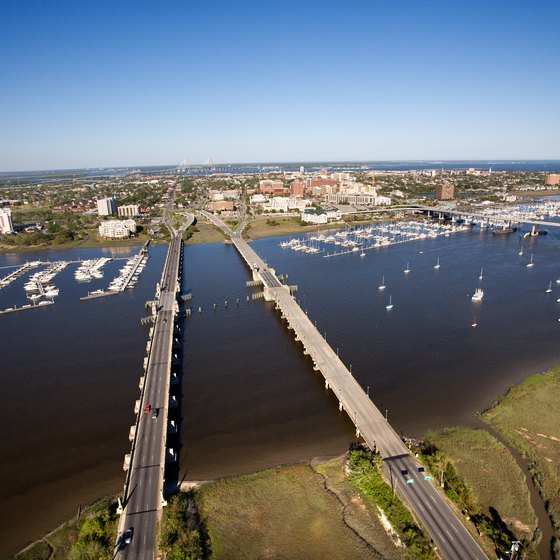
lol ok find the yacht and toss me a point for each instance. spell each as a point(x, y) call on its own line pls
point(478, 295)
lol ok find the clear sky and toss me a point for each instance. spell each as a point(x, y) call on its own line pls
point(97, 83)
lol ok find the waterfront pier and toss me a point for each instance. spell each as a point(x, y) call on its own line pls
point(448, 533)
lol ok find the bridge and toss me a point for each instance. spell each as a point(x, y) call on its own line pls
point(484, 219)
point(143, 497)
point(448, 533)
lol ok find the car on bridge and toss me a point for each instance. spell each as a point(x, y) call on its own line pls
point(155, 412)
point(127, 538)
point(147, 408)
point(407, 477)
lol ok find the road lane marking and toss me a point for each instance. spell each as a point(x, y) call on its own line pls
point(449, 535)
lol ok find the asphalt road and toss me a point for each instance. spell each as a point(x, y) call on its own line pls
point(144, 494)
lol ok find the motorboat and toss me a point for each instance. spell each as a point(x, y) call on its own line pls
point(478, 295)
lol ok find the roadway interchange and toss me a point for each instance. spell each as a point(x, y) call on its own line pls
point(143, 495)
point(450, 536)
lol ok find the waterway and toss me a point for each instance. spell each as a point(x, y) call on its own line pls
point(250, 398)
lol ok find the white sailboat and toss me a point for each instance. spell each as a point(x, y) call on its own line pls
point(436, 266)
point(549, 289)
point(407, 269)
point(531, 263)
point(382, 285)
point(474, 324)
point(362, 254)
point(390, 304)
point(481, 270)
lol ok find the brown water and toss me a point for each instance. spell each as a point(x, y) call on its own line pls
point(251, 400)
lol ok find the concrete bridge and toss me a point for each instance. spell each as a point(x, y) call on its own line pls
point(144, 486)
point(448, 533)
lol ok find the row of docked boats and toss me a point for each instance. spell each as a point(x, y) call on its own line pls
point(39, 284)
point(7, 280)
point(372, 236)
point(129, 273)
point(91, 269)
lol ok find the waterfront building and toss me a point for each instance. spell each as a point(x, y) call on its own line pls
point(284, 204)
point(128, 211)
point(117, 229)
point(359, 199)
point(106, 206)
point(313, 216)
point(445, 191)
point(6, 224)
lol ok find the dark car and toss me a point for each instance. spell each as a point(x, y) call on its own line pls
point(155, 412)
point(128, 535)
point(407, 477)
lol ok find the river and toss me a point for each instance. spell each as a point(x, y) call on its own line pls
point(251, 400)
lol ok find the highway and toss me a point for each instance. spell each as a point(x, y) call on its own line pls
point(143, 496)
point(450, 536)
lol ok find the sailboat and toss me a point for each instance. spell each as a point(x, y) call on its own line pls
point(382, 285)
point(530, 263)
point(474, 324)
point(436, 266)
point(407, 269)
point(362, 254)
point(481, 270)
point(549, 289)
point(390, 304)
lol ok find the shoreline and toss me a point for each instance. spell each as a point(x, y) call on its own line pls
point(190, 484)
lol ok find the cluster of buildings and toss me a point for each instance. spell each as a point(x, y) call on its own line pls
point(109, 207)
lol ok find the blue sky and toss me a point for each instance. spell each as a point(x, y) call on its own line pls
point(106, 83)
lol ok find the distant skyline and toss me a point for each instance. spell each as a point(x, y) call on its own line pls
point(133, 83)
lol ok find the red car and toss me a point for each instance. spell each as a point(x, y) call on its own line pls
point(147, 408)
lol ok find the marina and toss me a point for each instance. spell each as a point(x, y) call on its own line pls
point(368, 238)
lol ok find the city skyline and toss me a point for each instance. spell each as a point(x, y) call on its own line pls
point(104, 84)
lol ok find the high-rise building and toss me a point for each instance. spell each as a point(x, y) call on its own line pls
point(445, 191)
point(6, 224)
point(128, 211)
point(552, 179)
point(106, 206)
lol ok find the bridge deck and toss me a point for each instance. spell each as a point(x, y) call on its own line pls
point(450, 535)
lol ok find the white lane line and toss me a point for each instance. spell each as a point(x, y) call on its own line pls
point(429, 506)
point(455, 529)
point(449, 535)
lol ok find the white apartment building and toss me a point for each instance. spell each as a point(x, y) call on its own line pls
point(6, 224)
point(284, 204)
point(106, 206)
point(117, 229)
point(312, 216)
point(128, 211)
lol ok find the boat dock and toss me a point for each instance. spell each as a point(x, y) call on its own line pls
point(7, 280)
point(27, 306)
